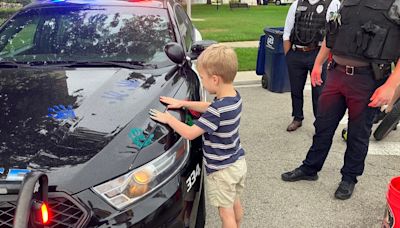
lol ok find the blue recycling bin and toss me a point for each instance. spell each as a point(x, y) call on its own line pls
point(271, 62)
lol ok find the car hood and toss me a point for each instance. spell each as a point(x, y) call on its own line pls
point(76, 125)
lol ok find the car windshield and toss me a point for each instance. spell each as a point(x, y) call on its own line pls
point(88, 34)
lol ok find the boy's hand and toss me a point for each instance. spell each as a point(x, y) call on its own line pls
point(171, 102)
point(162, 117)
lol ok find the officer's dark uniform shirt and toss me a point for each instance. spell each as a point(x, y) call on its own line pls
point(366, 30)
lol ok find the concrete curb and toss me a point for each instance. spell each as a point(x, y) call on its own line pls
point(242, 44)
point(248, 82)
point(246, 78)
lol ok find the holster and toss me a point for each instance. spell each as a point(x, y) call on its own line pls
point(381, 71)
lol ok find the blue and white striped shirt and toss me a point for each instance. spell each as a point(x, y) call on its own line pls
point(221, 142)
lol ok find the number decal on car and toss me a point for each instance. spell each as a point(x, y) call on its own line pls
point(191, 180)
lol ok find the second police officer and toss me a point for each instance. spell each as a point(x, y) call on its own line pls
point(364, 39)
point(302, 38)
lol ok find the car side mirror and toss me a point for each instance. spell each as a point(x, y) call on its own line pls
point(175, 52)
point(198, 47)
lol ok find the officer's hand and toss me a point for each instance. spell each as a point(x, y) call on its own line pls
point(316, 76)
point(382, 96)
point(396, 96)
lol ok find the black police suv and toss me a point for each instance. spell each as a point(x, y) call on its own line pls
point(77, 146)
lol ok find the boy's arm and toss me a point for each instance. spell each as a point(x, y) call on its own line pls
point(186, 131)
point(197, 106)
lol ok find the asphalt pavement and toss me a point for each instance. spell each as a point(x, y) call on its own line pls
point(271, 150)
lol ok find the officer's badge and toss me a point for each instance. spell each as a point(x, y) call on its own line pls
point(335, 17)
point(320, 8)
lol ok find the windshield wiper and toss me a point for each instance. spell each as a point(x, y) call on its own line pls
point(123, 64)
point(12, 64)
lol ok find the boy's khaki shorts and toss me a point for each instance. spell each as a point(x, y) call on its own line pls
point(224, 186)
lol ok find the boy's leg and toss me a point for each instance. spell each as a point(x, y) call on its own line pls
point(237, 207)
point(223, 188)
point(227, 215)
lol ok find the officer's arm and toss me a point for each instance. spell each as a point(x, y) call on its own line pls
point(394, 79)
point(323, 55)
point(286, 46)
point(384, 94)
point(289, 24)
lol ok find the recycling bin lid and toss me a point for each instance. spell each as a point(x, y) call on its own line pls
point(275, 31)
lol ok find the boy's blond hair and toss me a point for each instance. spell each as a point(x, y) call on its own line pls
point(220, 60)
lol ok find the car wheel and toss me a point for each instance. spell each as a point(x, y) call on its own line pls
point(201, 211)
point(388, 123)
point(278, 2)
point(264, 81)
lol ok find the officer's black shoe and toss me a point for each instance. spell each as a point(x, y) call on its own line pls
point(345, 190)
point(298, 174)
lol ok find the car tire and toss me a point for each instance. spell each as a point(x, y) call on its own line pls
point(201, 211)
point(264, 81)
point(278, 2)
point(388, 123)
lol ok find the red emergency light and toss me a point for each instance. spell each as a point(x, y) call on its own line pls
point(44, 213)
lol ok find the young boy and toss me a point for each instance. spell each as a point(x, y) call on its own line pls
point(219, 124)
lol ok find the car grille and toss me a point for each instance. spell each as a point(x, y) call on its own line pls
point(65, 212)
point(7, 211)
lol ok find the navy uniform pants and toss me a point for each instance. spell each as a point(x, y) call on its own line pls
point(299, 65)
point(341, 92)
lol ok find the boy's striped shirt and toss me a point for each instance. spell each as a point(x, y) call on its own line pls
point(221, 142)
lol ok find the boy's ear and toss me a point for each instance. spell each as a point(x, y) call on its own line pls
point(217, 79)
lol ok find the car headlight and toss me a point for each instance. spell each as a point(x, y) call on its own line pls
point(126, 189)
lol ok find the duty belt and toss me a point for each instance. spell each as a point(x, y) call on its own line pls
point(304, 48)
point(351, 70)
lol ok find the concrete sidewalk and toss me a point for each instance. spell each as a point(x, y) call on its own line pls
point(247, 77)
point(242, 44)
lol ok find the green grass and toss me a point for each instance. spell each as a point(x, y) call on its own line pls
point(238, 24)
point(247, 58)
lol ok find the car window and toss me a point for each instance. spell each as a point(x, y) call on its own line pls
point(185, 26)
point(88, 34)
point(20, 35)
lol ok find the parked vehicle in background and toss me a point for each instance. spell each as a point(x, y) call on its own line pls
point(283, 2)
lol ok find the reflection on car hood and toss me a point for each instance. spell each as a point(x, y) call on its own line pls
point(58, 121)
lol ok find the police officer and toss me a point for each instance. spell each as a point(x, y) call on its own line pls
point(364, 39)
point(302, 38)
